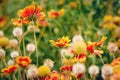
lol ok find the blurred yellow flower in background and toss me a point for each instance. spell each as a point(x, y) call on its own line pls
point(2, 21)
point(4, 41)
point(73, 5)
point(55, 14)
point(108, 18)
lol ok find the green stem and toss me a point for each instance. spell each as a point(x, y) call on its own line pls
point(101, 60)
point(19, 75)
point(24, 47)
point(23, 75)
point(40, 36)
point(4, 62)
point(14, 78)
point(36, 48)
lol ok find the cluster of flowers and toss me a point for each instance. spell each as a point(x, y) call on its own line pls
point(74, 58)
point(20, 62)
point(111, 22)
point(73, 55)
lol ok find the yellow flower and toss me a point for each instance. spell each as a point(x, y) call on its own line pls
point(110, 26)
point(97, 43)
point(116, 19)
point(63, 42)
point(68, 62)
point(116, 68)
point(4, 41)
point(73, 5)
point(56, 14)
point(79, 47)
point(43, 71)
point(108, 18)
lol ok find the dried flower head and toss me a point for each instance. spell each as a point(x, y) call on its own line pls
point(14, 54)
point(2, 53)
point(1, 33)
point(32, 72)
point(77, 38)
point(93, 70)
point(112, 47)
point(79, 68)
point(10, 62)
point(13, 43)
point(107, 71)
point(17, 32)
point(49, 63)
point(30, 47)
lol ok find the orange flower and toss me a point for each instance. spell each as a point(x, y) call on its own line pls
point(19, 22)
point(54, 75)
point(63, 42)
point(80, 58)
point(2, 21)
point(23, 61)
point(108, 18)
point(10, 69)
point(31, 11)
point(67, 68)
point(55, 14)
point(116, 62)
point(42, 23)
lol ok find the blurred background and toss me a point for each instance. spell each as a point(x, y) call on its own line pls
point(83, 17)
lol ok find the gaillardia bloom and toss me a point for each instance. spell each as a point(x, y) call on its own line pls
point(55, 14)
point(10, 69)
point(2, 21)
point(92, 45)
point(116, 62)
point(63, 42)
point(19, 22)
point(31, 11)
point(23, 61)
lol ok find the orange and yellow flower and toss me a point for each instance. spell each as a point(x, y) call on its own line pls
point(80, 58)
point(63, 42)
point(19, 22)
point(42, 23)
point(56, 14)
point(2, 21)
point(108, 18)
point(54, 75)
point(99, 42)
point(92, 45)
point(31, 11)
point(67, 68)
point(23, 61)
point(116, 62)
point(10, 69)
